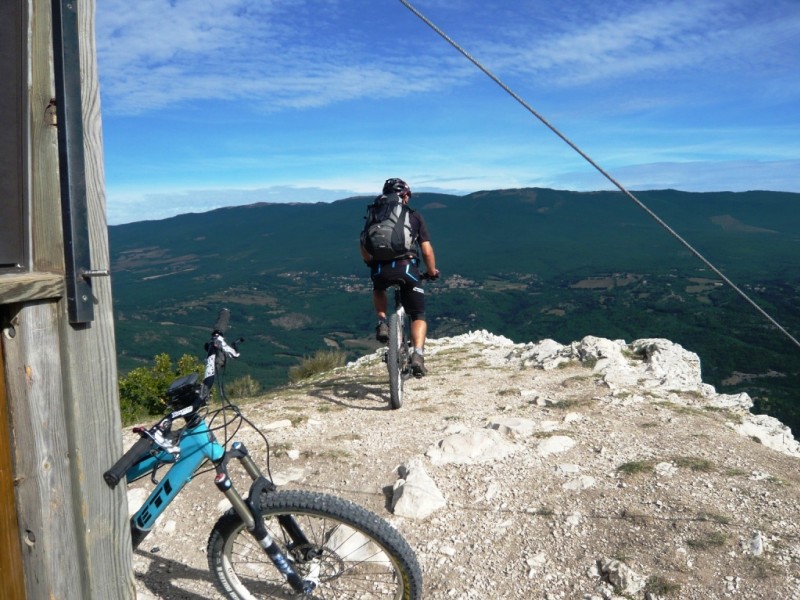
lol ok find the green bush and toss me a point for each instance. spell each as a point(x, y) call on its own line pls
point(143, 391)
point(635, 467)
point(320, 362)
point(243, 387)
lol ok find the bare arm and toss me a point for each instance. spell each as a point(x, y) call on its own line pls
point(429, 258)
point(364, 254)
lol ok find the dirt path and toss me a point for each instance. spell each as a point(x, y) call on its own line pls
point(672, 492)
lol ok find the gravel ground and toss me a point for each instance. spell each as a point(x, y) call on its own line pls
point(691, 509)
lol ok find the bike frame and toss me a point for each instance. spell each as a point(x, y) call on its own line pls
point(405, 373)
point(397, 354)
point(398, 306)
point(184, 453)
point(197, 444)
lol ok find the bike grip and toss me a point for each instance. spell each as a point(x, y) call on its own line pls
point(139, 450)
point(222, 320)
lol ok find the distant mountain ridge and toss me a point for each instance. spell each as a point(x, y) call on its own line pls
point(527, 263)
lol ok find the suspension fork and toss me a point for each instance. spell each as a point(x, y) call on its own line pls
point(250, 511)
point(400, 311)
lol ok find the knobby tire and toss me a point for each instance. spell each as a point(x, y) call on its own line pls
point(362, 556)
point(395, 360)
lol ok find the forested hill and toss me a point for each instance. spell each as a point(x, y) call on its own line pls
point(528, 264)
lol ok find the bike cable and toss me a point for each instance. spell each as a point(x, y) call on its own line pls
point(239, 418)
point(602, 171)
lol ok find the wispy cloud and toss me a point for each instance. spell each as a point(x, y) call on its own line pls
point(609, 41)
point(699, 176)
point(305, 53)
point(133, 206)
point(219, 96)
point(267, 53)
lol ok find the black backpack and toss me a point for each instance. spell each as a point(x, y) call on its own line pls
point(387, 232)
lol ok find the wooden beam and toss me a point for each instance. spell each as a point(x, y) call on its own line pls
point(19, 287)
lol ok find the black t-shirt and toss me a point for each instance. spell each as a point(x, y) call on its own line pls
point(419, 230)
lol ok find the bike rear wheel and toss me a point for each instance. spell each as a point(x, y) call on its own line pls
point(396, 360)
point(351, 552)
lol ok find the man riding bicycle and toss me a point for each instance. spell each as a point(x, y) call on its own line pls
point(404, 271)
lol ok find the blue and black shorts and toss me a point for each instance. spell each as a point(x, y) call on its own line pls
point(405, 273)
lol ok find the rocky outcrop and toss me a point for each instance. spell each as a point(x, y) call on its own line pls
point(644, 371)
point(595, 470)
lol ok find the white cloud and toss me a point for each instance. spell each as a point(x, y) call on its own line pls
point(700, 176)
point(606, 41)
point(268, 93)
point(306, 53)
point(738, 176)
point(267, 54)
point(126, 206)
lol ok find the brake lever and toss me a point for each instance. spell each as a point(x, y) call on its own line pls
point(157, 435)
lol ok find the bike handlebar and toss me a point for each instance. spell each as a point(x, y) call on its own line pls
point(136, 452)
point(147, 441)
point(216, 348)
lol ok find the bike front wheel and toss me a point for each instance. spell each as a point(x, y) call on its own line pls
point(396, 360)
point(347, 551)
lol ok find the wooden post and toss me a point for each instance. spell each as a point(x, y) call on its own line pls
point(61, 379)
point(42, 456)
point(91, 397)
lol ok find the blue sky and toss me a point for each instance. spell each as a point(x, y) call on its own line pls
point(226, 102)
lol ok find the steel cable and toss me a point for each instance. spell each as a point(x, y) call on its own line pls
point(602, 171)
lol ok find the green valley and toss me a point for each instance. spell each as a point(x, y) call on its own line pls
point(527, 264)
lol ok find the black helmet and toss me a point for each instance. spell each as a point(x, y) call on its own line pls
point(397, 186)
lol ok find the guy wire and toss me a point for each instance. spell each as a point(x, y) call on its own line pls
point(588, 159)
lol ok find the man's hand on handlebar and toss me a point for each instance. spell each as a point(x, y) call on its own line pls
point(431, 274)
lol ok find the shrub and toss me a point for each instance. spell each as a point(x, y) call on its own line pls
point(635, 467)
point(143, 391)
point(708, 541)
point(322, 361)
point(693, 463)
point(660, 586)
point(243, 387)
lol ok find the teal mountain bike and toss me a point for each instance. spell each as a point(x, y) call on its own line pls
point(271, 543)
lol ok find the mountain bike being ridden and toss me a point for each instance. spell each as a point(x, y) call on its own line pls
point(398, 356)
point(272, 543)
point(394, 238)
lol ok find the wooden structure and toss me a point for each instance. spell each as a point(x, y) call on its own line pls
point(63, 533)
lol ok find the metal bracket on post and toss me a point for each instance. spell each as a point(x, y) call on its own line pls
point(71, 160)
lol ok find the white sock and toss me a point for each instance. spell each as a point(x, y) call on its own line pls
point(419, 351)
